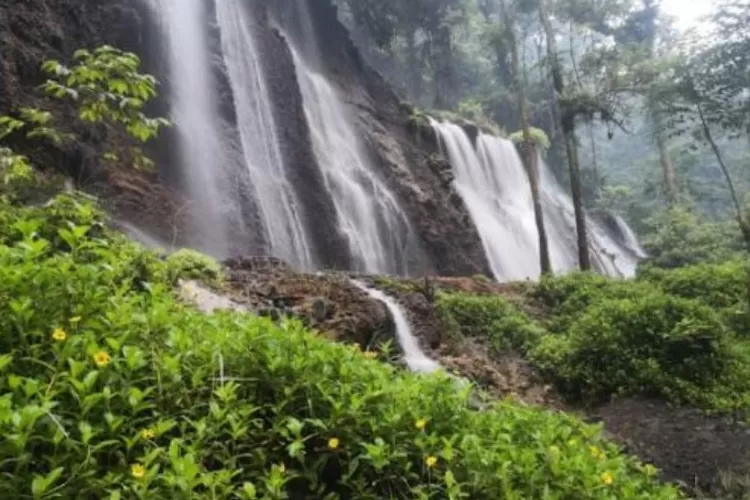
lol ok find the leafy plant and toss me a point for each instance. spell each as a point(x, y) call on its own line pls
point(717, 285)
point(652, 344)
point(108, 92)
point(488, 318)
point(538, 136)
point(112, 389)
point(192, 265)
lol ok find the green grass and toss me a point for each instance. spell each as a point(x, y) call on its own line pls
point(112, 389)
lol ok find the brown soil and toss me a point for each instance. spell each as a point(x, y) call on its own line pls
point(687, 445)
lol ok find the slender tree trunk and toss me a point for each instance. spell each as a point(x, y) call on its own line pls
point(667, 165)
point(415, 76)
point(744, 227)
point(567, 122)
point(529, 152)
point(594, 159)
point(574, 62)
point(741, 221)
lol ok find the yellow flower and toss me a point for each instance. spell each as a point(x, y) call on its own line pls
point(371, 354)
point(101, 359)
point(138, 471)
point(333, 443)
point(59, 334)
point(607, 478)
point(430, 461)
point(75, 320)
point(148, 434)
point(596, 452)
point(420, 424)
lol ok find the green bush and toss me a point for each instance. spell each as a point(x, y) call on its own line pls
point(191, 265)
point(652, 344)
point(717, 285)
point(490, 318)
point(111, 390)
point(680, 238)
point(566, 297)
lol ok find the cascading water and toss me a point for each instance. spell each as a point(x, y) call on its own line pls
point(141, 236)
point(608, 256)
point(212, 161)
point(629, 239)
point(498, 200)
point(194, 112)
point(274, 194)
point(493, 183)
point(415, 358)
point(376, 228)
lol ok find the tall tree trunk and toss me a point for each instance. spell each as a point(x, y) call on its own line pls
point(415, 75)
point(667, 165)
point(529, 152)
point(741, 221)
point(594, 160)
point(739, 213)
point(567, 122)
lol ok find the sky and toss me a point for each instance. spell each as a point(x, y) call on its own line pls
point(687, 12)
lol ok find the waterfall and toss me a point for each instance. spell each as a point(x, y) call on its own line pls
point(141, 236)
point(629, 238)
point(608, 255)
point(498, 201)
point(274, 194)
point(218, 169)
point(195, 114)
point(376, 228)
point(492, 181)
point(415, 358)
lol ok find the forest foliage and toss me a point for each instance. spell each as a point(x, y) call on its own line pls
point(661, 115)
point(112, 389)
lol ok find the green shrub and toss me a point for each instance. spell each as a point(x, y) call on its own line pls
point(192, 265)
point(491, 318)
point(568, 296)
point(717, 285)
point(652, 344)
point(111, 390)
point(680, 238)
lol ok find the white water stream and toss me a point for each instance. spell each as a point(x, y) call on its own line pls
point(274, 194)
point(210, 155)
point(369, 215)
point(203, 150)
point(415, 358)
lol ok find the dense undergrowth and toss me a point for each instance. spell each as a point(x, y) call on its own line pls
point(679, 334)
point(112, 389)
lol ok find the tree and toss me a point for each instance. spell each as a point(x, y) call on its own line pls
point(567, 116)
point(527, 146)
point(713, 92)
point(421, 32)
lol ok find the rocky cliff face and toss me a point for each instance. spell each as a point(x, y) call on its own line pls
point(408, 158)
point(31, 32)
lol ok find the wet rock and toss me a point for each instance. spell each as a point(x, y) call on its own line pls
point(322, 309)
